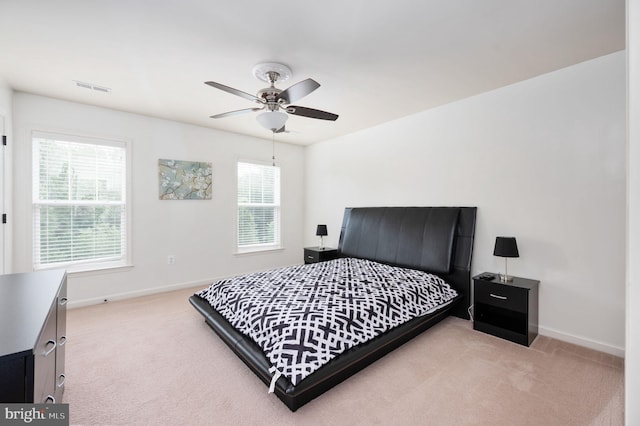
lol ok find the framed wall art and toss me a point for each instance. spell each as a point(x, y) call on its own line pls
point(184, 180)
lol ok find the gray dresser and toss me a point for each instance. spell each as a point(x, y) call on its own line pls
point(33, 319)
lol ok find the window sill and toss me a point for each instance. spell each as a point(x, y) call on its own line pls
point(258, 251)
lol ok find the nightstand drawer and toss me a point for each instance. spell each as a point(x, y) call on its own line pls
point(501, 295)
point(311, 256)
point(317, 254)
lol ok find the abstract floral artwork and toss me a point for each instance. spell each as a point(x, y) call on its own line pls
point(184, 180)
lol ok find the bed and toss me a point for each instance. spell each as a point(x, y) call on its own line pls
point(412, 240)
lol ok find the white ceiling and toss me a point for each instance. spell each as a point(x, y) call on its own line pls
point(375, 60)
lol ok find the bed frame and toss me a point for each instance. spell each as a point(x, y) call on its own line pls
point(434, 239)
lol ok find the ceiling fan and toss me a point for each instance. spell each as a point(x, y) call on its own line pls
point(273, 100)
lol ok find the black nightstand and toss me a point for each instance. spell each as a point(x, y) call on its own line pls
point(506, 309)
point(317, 254)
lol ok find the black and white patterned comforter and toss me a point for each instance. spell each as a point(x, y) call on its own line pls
point(303, 316)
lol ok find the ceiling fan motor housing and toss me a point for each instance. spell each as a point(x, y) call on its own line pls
point(270, 95)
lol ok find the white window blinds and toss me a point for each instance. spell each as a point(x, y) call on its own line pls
point(79, 202)
point(258, 207)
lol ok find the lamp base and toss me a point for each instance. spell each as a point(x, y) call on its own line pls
point(506, 278)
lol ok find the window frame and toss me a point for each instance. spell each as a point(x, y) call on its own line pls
point(86, 265)
point(258, 248)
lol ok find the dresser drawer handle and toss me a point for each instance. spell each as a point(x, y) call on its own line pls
point(61, 382)
point(63, 340)
point(50, 400)
point(53, 348)
point(63, 301)
point(497, 296)
point(309, 257)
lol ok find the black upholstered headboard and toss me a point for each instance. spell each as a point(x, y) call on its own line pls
point(433, 239)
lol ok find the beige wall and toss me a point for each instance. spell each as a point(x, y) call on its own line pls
point(200, 234)
point(543, 160)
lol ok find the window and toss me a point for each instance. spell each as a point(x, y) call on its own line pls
point(79, 202)
point(258, 207)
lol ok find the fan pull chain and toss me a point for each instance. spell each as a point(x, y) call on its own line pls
point(273, 142)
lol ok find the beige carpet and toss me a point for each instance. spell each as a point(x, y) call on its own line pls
point(152, 360)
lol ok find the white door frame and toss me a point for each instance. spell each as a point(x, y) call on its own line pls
point(3, 177)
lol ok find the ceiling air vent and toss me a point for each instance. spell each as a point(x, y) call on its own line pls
point(91, 86)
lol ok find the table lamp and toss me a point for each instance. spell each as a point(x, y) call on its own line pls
point(506, 247)
point(321, 231)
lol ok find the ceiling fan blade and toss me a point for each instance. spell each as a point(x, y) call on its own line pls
point(298, 90)
point(234, 91)
point(236, 112)
point(311, 113)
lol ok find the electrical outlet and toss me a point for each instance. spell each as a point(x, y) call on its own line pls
point(171, 259)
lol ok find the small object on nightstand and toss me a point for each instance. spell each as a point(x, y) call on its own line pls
point(486, 276)
point(319, 254)
point(506, 310)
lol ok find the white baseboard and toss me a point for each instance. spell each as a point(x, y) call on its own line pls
point(131, 294)
point(582, 341)
point(544, 331)
point(149, 291)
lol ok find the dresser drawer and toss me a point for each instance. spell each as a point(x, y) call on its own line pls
point(44, 363)
point(501, 295)
point(61, 329)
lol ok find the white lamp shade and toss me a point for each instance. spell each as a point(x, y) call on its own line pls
point(272, 120)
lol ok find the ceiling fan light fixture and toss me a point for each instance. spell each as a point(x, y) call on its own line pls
point(272, 120)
